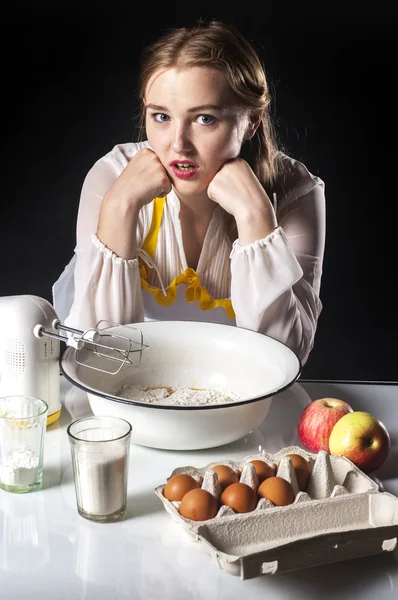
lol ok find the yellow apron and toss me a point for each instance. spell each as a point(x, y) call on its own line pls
point(186, 299)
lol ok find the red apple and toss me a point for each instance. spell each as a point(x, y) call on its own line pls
point(362, 438)
point(317, 421)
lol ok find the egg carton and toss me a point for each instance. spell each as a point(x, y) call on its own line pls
point(341, 515)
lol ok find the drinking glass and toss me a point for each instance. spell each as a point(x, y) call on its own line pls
point(23, 421)
point(100, 449)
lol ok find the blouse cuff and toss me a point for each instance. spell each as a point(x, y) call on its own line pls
point(110, 255)
point(258, 244)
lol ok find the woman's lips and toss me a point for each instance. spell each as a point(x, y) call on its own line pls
point(185, 172)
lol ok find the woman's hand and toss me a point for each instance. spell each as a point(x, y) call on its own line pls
point(238, 191)
point(144, 179)
point(236, 188)
point(140, 182)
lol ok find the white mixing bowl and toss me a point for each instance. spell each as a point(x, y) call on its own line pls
point(194, 354)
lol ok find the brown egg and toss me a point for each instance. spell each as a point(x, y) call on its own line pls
point(302, 469)
point(178, 485)
point(277, 490)
point(226, 475)
point(263, 470)
point(240, 497)
point(198, 505)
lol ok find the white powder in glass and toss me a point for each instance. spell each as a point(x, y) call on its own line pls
point(20, 467)
point(172, 396)
point(101, 483)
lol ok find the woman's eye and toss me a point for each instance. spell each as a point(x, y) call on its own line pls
point(207, 119)
point(160, 117)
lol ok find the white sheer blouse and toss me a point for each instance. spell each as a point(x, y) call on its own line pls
point(272, 284)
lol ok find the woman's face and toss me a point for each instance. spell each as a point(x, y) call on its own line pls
point(192, 118)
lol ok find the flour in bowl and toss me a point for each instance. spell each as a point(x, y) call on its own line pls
point(177, 396)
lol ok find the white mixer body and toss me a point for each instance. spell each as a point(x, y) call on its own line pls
point(29, 364)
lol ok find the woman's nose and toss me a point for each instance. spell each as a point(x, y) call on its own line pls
point(181, 140)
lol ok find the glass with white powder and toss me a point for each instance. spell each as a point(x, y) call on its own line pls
point(100, 449)
point(23, 421)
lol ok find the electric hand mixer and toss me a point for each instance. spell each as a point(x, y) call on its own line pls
point(30, 349)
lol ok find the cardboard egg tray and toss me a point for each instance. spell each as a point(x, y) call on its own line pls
point(341, 515)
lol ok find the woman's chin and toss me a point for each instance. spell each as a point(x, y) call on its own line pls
point(189, 189)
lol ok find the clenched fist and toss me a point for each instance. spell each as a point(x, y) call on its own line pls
point(236, 188)
point(144, 179)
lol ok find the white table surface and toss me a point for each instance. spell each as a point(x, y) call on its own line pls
point(48, 551)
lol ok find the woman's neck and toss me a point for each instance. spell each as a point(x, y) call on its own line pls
point(198, 209)
point(195, 216)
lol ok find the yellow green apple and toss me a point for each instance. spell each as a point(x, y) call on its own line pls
point(362, 438)
point(317, 421)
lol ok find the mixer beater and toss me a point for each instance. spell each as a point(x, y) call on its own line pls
point(30, 349)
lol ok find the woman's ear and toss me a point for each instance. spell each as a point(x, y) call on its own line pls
point(253, 125)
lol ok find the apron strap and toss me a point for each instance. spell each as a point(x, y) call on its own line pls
point(149, 245)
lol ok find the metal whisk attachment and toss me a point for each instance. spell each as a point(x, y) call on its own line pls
point(102, 347)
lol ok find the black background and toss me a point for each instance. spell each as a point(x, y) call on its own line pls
point(69, 95)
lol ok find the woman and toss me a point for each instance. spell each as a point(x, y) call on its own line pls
point(180, 226)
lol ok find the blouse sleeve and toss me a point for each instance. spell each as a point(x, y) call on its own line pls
point(104, 285)
point(276, 281)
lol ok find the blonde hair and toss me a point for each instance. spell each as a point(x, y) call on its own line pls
point(222, 47)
